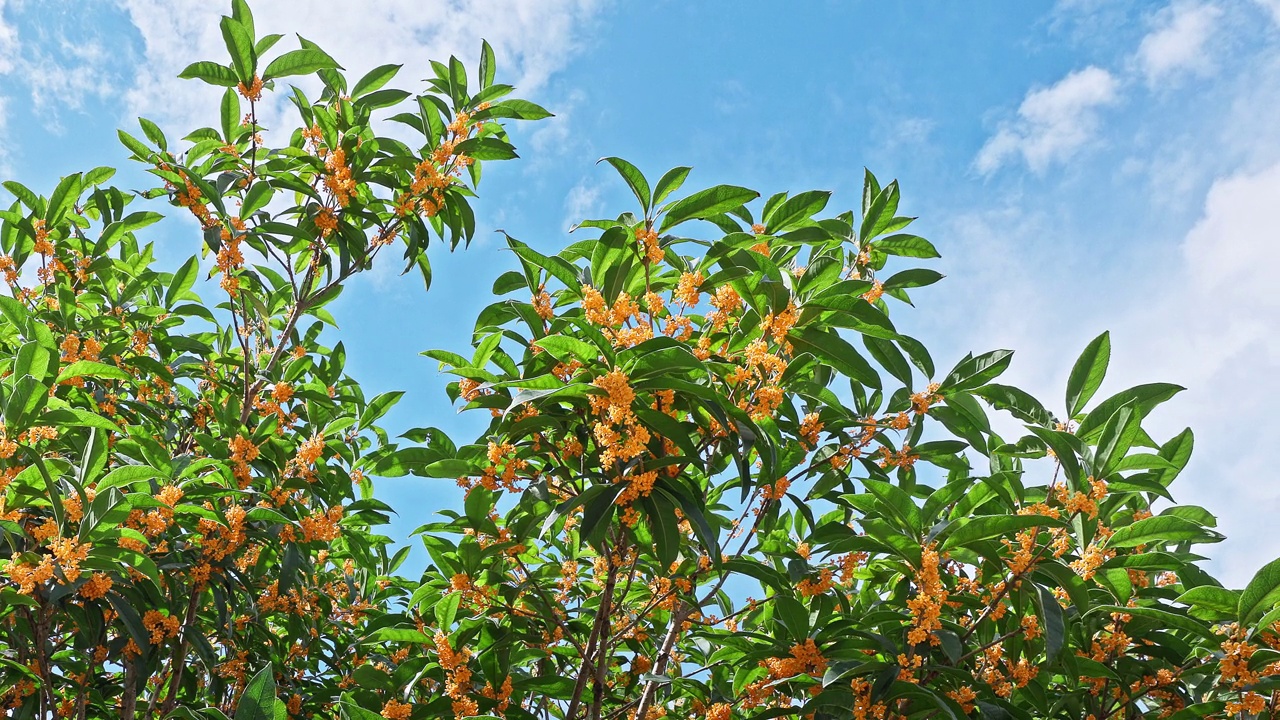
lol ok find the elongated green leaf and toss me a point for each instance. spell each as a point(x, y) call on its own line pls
point(1261, 594)
point(1211, 597)
point(1018, 402)
point(635, 180)
point(669, 183)
point(906, 246)
point(705, 204)
point(92, 368)
point(1161, 529)
point(300, 62)
point(795, 209)
point(374, 79)
point(129, 223)
point(239, 43)
point(1087, 373)
point(210, 72)
point(984, 527)
point(973, 372)
point(837, 352)
point(259, 699)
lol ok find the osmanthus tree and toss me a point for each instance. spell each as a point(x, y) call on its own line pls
point(181, 487)
point(717, 483)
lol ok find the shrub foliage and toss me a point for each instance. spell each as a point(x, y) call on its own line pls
point(717, 481)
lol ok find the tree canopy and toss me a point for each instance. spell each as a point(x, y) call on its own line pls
point(717, 481)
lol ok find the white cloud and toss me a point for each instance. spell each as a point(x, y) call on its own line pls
point(532, 40)
point(1053, 123)
point(1214, 327)
point(1272, 7)
point(582, 203)
point(1178, 43)
point(9, 49)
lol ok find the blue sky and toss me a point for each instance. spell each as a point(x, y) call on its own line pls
point(1081, 166)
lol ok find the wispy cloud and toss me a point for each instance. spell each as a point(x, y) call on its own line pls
point(1053, 123)
point(1178, 42)
point(582, 203)
point(532, 39)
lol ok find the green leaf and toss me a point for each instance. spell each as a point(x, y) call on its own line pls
point(447, 610)
point(1161, 529)
point(1054, 626)
point(705, 204)
point(1116, 438)
point(973, 372)
point(488, 66)
point(1087, 373)
point(239, 43)
point(518, 110)
point(127, 475)
point(915, 277)
point(92, 368)
point(210, 72)
point(1211, 597)
point(183, 280)
point(230, 117)
point(1018, 402)
point(830, 347)
point(375, 79)
point(1261, 594)
point(984, 527)
point(131, 222)
point(635, 180)
point(259, 699)
point(564, 348)
point(906, 246)
point(404, 635)
point(300, 62)
point(669, 183)
point(796, 209)
point(486, 148)
point(1164, 618)
point(63, 197)
point(1146, 396)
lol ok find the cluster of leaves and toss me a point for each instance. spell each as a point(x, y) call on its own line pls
point(717, 481)
point(182, 490)
point(684, 422)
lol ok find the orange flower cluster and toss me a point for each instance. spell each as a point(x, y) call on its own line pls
point(926, 606)
point(73, 348)
point(221, 541)
point(810, 428)
point(805, 658)
point(650, 249)
point(161, 626)
point(243, 452)
point(395, 710)
point(825, 581)
point(726, 301)
point(96, 587)
point(618, 434)
point(9, 268)
point(253, 92)
point(457, 676)
point(621, 323)
point(43, 244)
point(542, 303)
point(190, 198)
point(322, 526)
point(922, 401)
point(338, 180)
point(863, 707)
point(874, 294)
point(501, 695)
